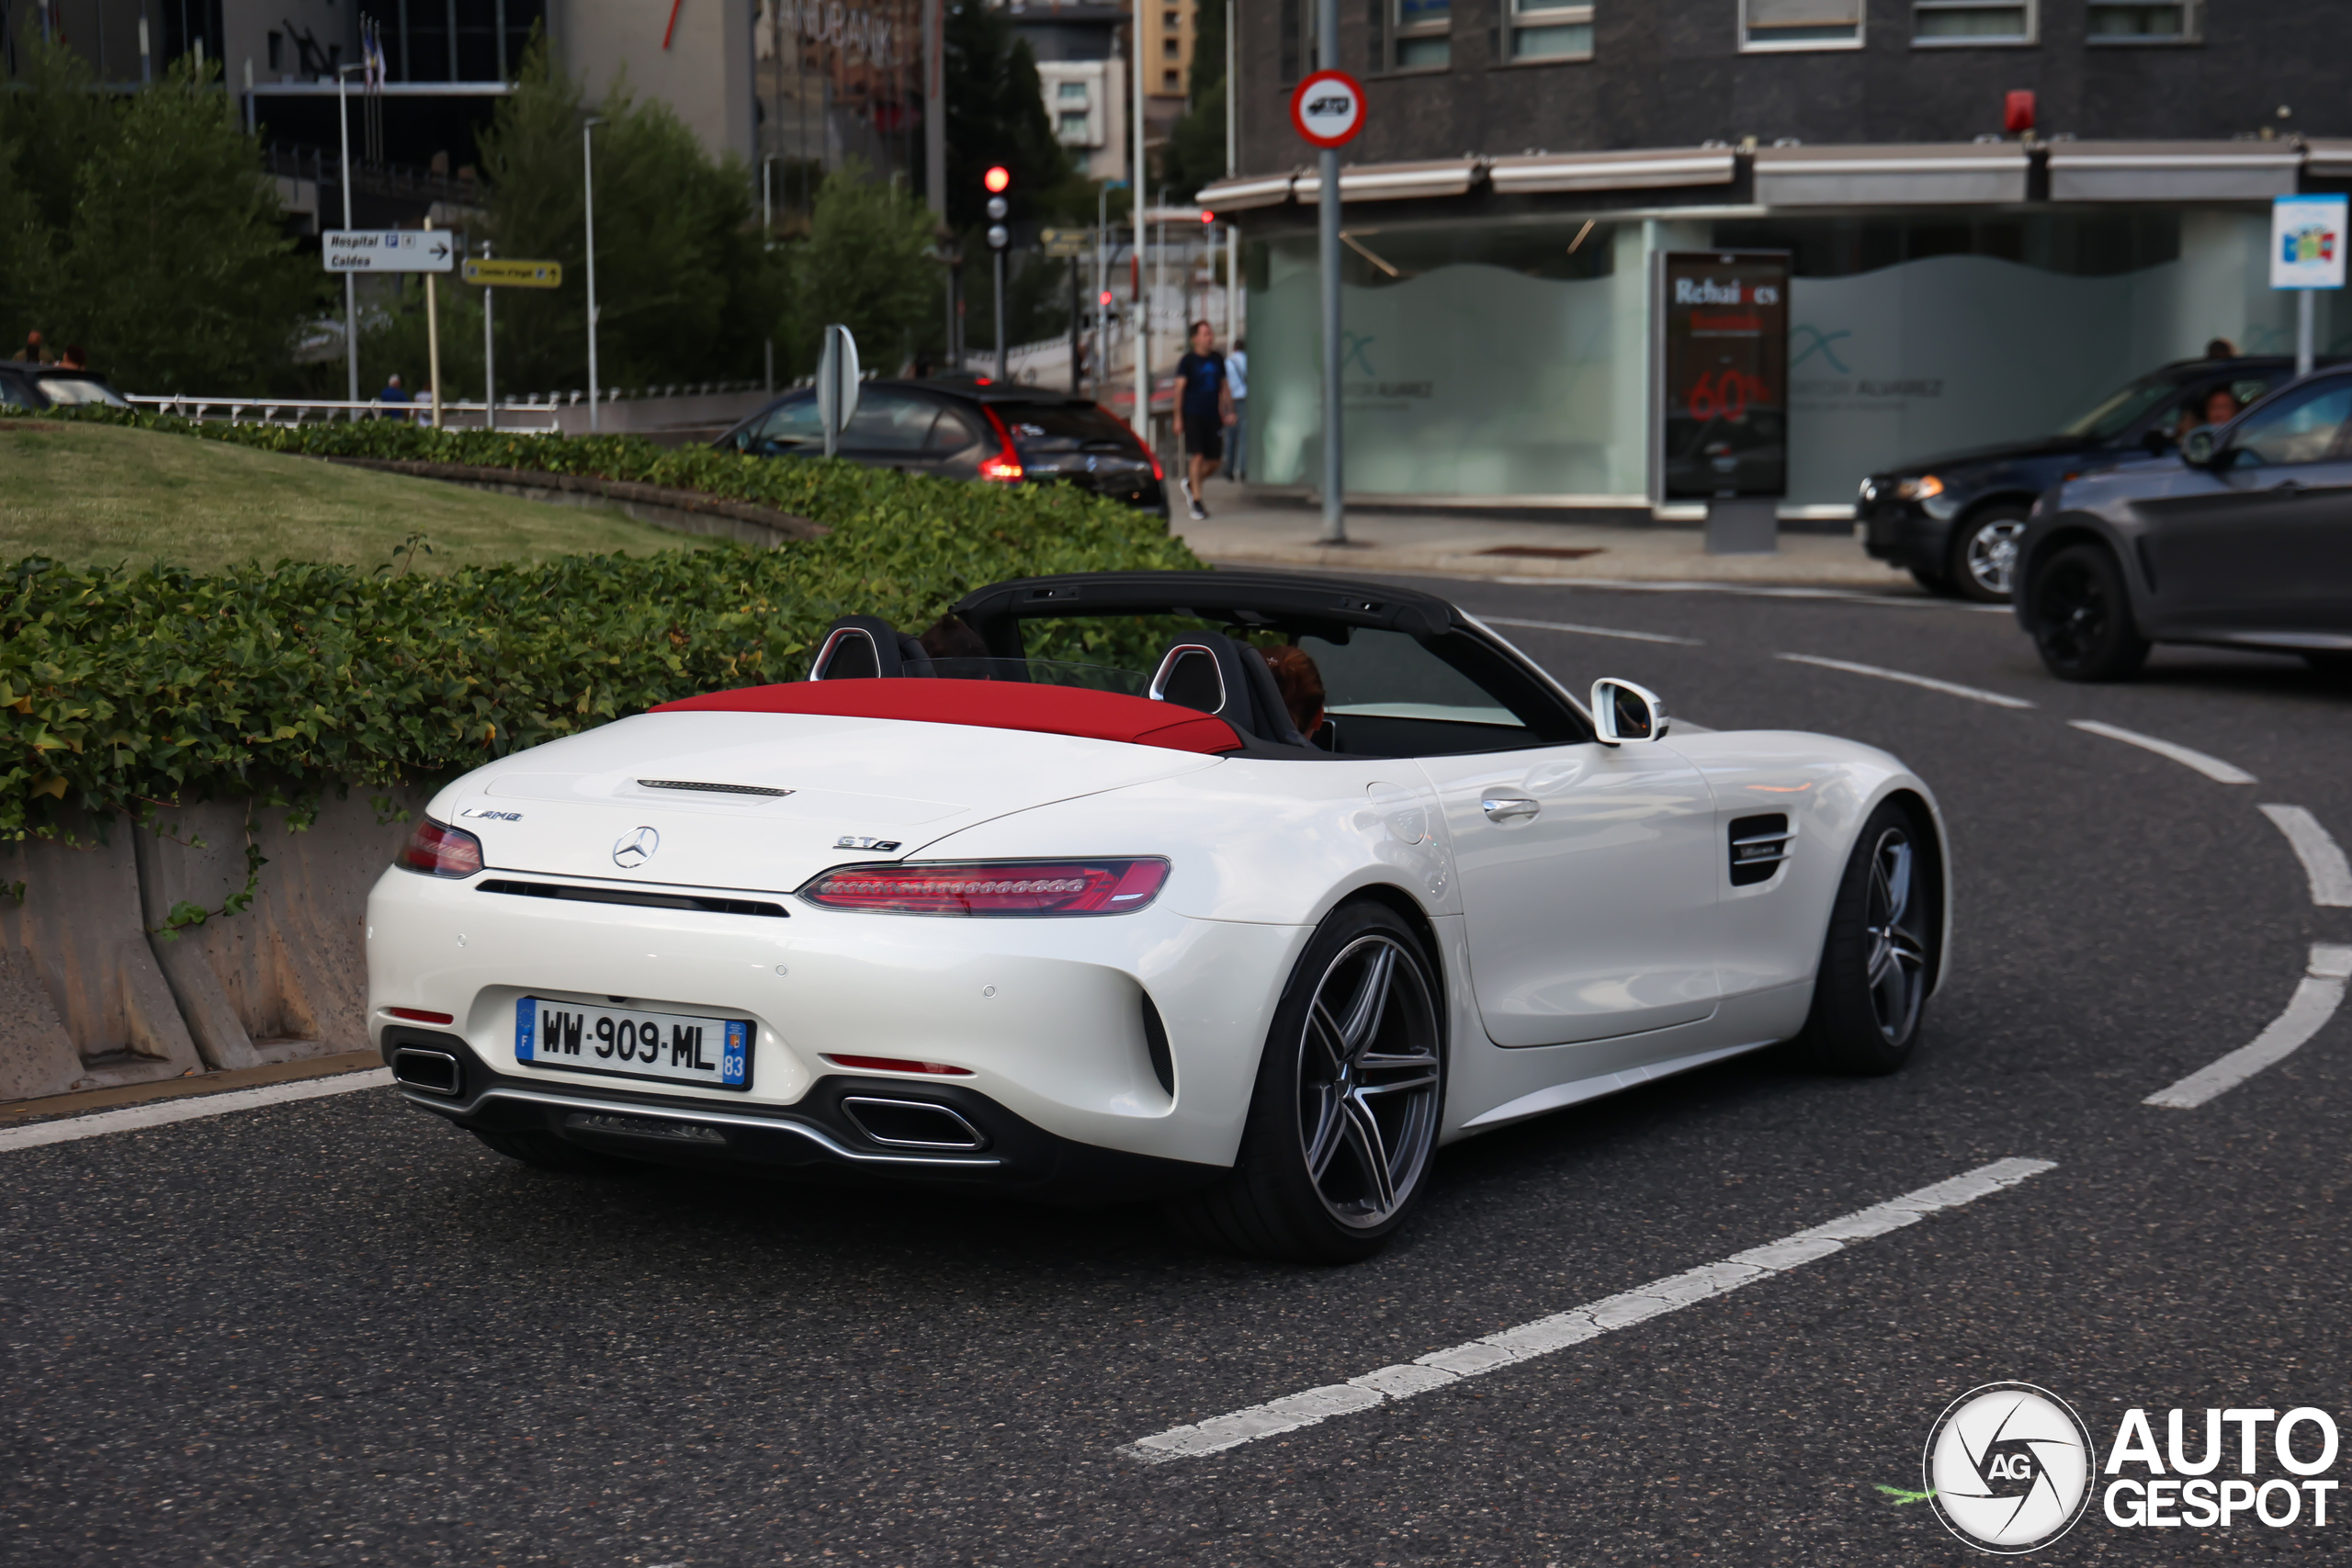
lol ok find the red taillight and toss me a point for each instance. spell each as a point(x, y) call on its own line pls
point(420, 1015)
point(898, 1065)
point(441, 851)
point(1005, 466)
point(1155, 473)
point(992, 887)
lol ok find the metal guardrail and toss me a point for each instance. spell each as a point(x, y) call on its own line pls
point(314, 411)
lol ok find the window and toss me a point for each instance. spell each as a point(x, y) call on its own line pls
point(1800, 24)
point(1423, 34)
point(2300, 428)
point(1072, 126)
point(1171, 21)
point(889, 421)
point(2144, 21)
point(1946, 22)
point(1171, 48)
point(1546, 29)
point(1171, 81)
point(1071, 90)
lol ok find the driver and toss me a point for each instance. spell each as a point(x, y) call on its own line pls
point(1301, 686)
point(2221, 406)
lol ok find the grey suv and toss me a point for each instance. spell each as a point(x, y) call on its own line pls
point(2243, 540)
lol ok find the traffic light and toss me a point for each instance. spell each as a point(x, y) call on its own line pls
point(998, 179)
point(1206, 215)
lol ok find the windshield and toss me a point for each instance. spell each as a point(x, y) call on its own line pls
point(1063, 427)
point(1047, 672)
point(2121, 409)
point(73, 389)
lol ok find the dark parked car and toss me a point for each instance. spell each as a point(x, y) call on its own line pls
point(29, 386)
point(968, 428)
point(1954, 521)
point(2243, 540)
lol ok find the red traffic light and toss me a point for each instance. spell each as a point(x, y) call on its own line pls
point(1207, 217)
point(1106, 298)
point(997, 178)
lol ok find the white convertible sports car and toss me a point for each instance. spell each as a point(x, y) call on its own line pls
point(1242, 890)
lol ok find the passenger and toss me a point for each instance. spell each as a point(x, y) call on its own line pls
point(2220, 407)
point(955, 650)
point(1301, 686)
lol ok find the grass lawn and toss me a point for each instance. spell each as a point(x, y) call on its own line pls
point(94, 494)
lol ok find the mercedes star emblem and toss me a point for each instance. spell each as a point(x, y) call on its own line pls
point(635, 848)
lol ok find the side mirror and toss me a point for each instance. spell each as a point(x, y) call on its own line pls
point(1622, 711)
point(2198, 447)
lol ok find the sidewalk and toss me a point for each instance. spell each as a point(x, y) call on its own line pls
point(1239, 533)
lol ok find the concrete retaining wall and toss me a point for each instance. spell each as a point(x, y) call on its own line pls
point(92, 995)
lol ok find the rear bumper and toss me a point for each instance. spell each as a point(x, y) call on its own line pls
point(831, 1131)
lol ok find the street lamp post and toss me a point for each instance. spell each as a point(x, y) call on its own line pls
point(350, 281)
point(588, 177)
point(767, 247)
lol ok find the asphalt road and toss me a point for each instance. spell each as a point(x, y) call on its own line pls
point(339, 1332)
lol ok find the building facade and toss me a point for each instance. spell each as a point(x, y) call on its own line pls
point(1083, 71)
point(1996, 212)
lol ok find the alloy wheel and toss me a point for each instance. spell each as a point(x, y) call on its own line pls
point(1991, 556)
point(2072, 614)
point(1897, 967)
point(1368, 1081)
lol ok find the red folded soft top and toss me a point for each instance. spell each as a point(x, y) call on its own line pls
point(986, 705)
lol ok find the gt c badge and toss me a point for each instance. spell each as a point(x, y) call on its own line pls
point(635, 848)
point(884, 845)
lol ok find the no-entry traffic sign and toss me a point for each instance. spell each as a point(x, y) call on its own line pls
point(1328, 108)
point(389, 250)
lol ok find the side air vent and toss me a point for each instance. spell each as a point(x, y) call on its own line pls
point(713, 788)
point(1155, 1044)
point(1758, 845)
point(698, 903)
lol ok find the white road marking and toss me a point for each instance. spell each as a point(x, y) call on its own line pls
point(163, 1113)
point(2314, 1002)
point(2323, 858)
point(1974, 693)
point(1593, 631)
point(2212, 767)
point(1442, 1368)
point(1890, 595)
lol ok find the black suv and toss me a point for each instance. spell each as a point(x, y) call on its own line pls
point(32, 388)
point(967, 428)
point(2242, 540)
point(1954, 521)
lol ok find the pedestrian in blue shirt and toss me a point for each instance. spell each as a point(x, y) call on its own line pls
point(1203, 408)
point(394, 393)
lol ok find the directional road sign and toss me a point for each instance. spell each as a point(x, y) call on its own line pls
point(389, 250)
point(500, 273)
point(1066, 242)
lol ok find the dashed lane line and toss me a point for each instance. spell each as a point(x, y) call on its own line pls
point(131, 1118)
point(2212, 767)
point(2323, 857)
point(1594, 631)
point(1443, 1369)
point(2315, 1000)
point(1950, 688)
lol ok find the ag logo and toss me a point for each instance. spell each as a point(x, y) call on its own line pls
point(2008, 1467)
point(635, 848)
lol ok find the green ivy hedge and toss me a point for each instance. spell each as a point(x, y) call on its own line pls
point(130, 692)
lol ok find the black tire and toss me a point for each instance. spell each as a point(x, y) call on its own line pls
point(2330, 663)
point(1982, 565)
point(1339, 1093)
point(2082, 617)
point(1871, 994)
point(545, 1151)
point(1933, 582)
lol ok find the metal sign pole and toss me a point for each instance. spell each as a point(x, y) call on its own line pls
point(2306, 332)
point(489, 353)
point(1327, 216)
point(433, 340)
point(588, 179)
point(1138, 179)
point(350, 284)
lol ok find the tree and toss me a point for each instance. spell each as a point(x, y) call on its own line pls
point(1194, 153)
point(863, 264)
point(996, 114)
point(175, 267)
point(683, 287)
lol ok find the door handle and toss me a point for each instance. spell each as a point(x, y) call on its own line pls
point(1505, 808)
point(2287, 490)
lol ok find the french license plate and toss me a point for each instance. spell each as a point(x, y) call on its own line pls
point(631, 1043)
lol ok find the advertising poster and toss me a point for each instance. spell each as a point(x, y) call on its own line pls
point(1725, 316)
